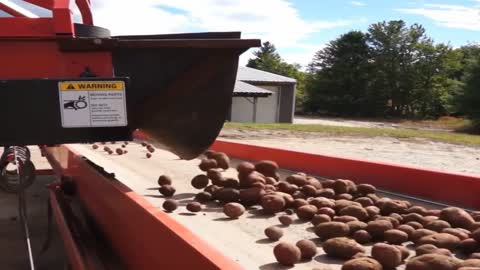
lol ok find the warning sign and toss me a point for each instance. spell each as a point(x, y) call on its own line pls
point(92, 103)
point(92, 86)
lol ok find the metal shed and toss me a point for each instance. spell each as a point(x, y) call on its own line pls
point(262, 97)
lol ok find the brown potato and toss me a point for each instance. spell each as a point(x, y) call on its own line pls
point(414, 217)
point(418, 209)
point(468, 246)
point(394, 206)
point(287, 254)
point(216, 176)
point(170, 205)
point(342, 247)
point(365, 189)
point(457, 217)
point(245, 168)
point(437, 225)
point(203, 197)
point(344, 219)
point(404, 250)
point(227, 195)
point(306, 212)
point(299, 195)
point(233, 210)
point(314, 182)
point(194, 207)
point(458, 233)
point(326, 211)
point(272, 203)
point(296, 179)
point(251, 196)
point(344, 196)
point(433, 262)
point(331, 230)
point(364, 201)
point(377, 228)
point(297, 203)
point(387, 255)
point(167, 190)
point(441, 240)
point(320, 202)
point(200, 181)
point(340, 204)
point(273, 233)
point(285, 220)
point(341, 186)
point(206, 164)
point(119, 151)
point(415, 225)
point(406, 229)
point(94, 146)
point(471, 263)
point(474, 256)
point(309, 190)
point(355, 211)
point(416, 235)
point(356, 226)
point(211, 189)
point(362, 237)
point(363, 263)
point(372, 211)
point(325, 193)
point(308, 249)
point(267, 167)
point(164, 180)
point(476, 235)
point(395, 237)
point(320, 218)
point(222, 160)
point(431, 249)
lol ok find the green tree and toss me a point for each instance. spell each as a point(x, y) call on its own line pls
point(470, 98)
point(338, 76)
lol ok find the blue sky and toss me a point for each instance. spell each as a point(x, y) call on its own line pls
point(298, 28)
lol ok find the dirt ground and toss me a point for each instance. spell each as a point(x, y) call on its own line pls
point(417, 152)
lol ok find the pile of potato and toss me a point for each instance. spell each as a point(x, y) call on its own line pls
point(345, 216)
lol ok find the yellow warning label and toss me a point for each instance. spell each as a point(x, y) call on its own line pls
point(91, 85)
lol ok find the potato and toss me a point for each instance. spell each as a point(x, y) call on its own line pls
point(267, 167)
point(441, 240)
point(377, 228)
point(372, 211)
point(431, 249)
point(211, 189)
point(306, 212)
point(308, 249)
point(365, 189)
point(344, 219)
point(326, 211)
point(270, 180)
point(251, 196)
point(94, 146)
point(273, 233)
point(194, 207)
point(341, 186)
point(418, 209)
point(397, 217)
point(416, 235)
point(119, 151)
point(470, 263)
point(475, 226)
point(289, 212)
point(206, 164)
point(395, 237)
point(322, 202)
point(272, 203)
point(200, 181)
point(285, 220)
point(387, 255)
point(164, 180)
point(433, 262)
point(245, 168)
point(458, 233)
point(468, 268)
point(203, 197)
point(342, 247)
point(222, 160)
point(362, 237)
point(309, 190)
point(457, 217)
point(344, 196)
point(476, 235)
point(325, 193)
point(437, 225)
point(299, 195)
point(331, 230)
point(340, 204)
point(364, 201)
point(167, 190)
point(406, 229)
point(287, 254)
point(297, 203)
point(363, 263)
point(355, 211)
point(394, 206)
point(314, 182)
point(468, 246)
point(474, 256)
point(233, 210)
point(170, 205)
point(216, 176)
point(296, 179)
point(414, 217)
point(414, 224)
point(286, 197)
point(404, 250)
point(428, 219)
point(247, 181)
point(356, 226)
point(320, 218)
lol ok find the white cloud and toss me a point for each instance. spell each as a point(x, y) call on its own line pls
point(357, 3)
point(277, 21)
point(452, 16)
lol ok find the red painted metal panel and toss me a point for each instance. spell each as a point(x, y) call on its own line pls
point(41, 59)
point(73, 253)
point(86, 11)
point(47, 4)
point(144, 237)
point(26, 27)
point(456, 189)
point(10, 10)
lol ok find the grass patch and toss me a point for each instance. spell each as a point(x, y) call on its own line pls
point(444, 122)
point(449, 137)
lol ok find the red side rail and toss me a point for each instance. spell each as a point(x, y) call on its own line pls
point(144, 237)
point(450, 188)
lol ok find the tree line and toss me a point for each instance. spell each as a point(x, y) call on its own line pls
point(391, 70)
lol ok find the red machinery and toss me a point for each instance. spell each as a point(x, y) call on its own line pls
point(65, 82)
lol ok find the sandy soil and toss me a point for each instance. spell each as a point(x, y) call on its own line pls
point(416, 152)
point(342, 122)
